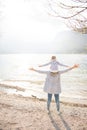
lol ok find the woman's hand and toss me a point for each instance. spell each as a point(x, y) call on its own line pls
point(75, 66)
point(31, 69)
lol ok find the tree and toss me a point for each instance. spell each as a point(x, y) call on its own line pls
point(74, 12)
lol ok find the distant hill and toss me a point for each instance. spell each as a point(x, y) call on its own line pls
point(63, 42)
point(71, 42)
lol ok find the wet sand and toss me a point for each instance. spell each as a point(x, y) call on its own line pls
point(25, 113)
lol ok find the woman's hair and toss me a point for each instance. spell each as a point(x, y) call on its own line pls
point(53, 74)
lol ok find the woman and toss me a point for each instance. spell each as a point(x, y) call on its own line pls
point(52, 84)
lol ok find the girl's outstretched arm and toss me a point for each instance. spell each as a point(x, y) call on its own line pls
point(62, 64)
point(45, 64)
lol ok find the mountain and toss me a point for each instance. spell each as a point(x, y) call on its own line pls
point(71, 42)
point(63, 42)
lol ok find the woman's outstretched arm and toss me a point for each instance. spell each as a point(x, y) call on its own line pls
point(39, 71)
point(72, 67)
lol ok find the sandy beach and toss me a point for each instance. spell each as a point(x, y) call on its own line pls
point(25, 113)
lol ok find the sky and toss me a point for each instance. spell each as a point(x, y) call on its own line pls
point(25, 26)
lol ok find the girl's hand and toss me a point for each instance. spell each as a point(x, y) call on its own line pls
point(76, 66)
point(39, 65)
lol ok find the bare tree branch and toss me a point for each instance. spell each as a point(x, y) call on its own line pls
point(75, 14)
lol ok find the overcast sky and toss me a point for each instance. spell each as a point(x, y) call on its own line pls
point(25, 26)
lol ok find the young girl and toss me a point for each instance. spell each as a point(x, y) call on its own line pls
point(53, 64)
point(52, 84)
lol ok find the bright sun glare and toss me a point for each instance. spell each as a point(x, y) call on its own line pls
point(20, 20)
point(23, 23)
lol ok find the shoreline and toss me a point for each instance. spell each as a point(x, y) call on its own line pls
point(25, 113)
point(63, 100)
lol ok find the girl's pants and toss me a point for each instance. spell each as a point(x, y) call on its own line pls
point(56, 100)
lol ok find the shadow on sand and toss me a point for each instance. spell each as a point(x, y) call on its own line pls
point(67, 127)
point(55, 124)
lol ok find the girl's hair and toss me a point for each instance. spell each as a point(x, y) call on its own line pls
point(53, 57)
